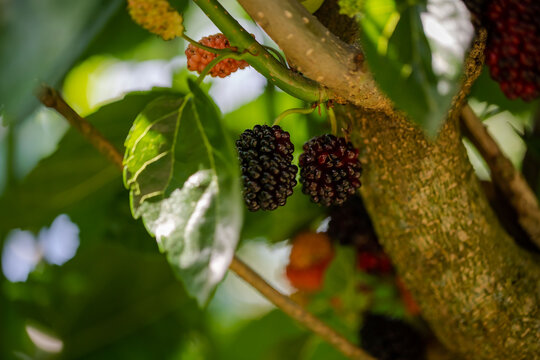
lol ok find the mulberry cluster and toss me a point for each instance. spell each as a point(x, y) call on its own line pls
point(198, 59)
point(330, 170)
point(391, 339)
point(157, 16)
point(269, 177)
point(513, 46)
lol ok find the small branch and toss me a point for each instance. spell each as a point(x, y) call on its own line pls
point(50, 98)
point(261, 60)
point(504, 175)
point(309, 44)
point(297, 312)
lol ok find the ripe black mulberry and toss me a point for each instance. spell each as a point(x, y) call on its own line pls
point(386, 338)
point(329, 170)
point(267, 172)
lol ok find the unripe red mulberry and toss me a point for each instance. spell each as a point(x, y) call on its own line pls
point(198, 59)
point(329, 170)
point(513, 46)
point(310, 256)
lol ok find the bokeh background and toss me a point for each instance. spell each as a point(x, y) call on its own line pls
point(80, 278)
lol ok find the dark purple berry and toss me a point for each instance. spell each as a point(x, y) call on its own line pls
point(329, 170)
point(265, 158)
point(513, 46)
point(386, 338)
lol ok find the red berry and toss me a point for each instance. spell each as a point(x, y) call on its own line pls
point(374, 262)
point(197, 58)
point(513, 46)
point(311, 254)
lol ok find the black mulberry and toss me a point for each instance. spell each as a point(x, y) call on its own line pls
point(391, 339)
point(269, 177)
point(350, 225)
point(329, 170)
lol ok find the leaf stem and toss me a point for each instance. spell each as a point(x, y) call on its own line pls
point(260, 59)
point(50, 98)
point(293, 111)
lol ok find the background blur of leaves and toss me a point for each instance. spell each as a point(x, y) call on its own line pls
point(117, 297)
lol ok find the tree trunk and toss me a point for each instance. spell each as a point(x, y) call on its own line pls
point(477, 289)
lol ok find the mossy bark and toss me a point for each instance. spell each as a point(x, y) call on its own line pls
point(477, 289)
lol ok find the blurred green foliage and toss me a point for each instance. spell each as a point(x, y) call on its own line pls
point(119, 297)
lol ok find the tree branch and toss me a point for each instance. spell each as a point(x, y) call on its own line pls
point(318, 53)
point(51, 98)
point(297, 312)
point(508, 179)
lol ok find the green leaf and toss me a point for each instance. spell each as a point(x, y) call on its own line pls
point(107, 303)
point(34, 45)
point(183, 177)
point(401, 58)
point(76, 179)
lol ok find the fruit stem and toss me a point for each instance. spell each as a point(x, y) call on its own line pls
point(332, 118)
point(260, 59)
point(208, 48)
point(293, 111)
point(216, 60)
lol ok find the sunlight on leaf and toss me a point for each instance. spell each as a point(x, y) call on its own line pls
point(182, 173)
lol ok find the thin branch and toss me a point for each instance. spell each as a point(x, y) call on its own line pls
point(51, 98)
point(309, 45)
point(504, 175)
point(297, 312)
point(261, 60)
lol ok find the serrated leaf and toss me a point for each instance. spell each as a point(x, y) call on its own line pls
point(419, 73)
point(182, 173)
point(76, 179)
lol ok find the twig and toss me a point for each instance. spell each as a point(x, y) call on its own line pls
point(504, 175)
point(50, 97)
point(297, 312)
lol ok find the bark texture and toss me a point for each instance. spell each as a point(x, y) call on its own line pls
point(477, 289)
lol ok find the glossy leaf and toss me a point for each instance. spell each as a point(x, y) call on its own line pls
point(183, 177)
point(77, 179)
